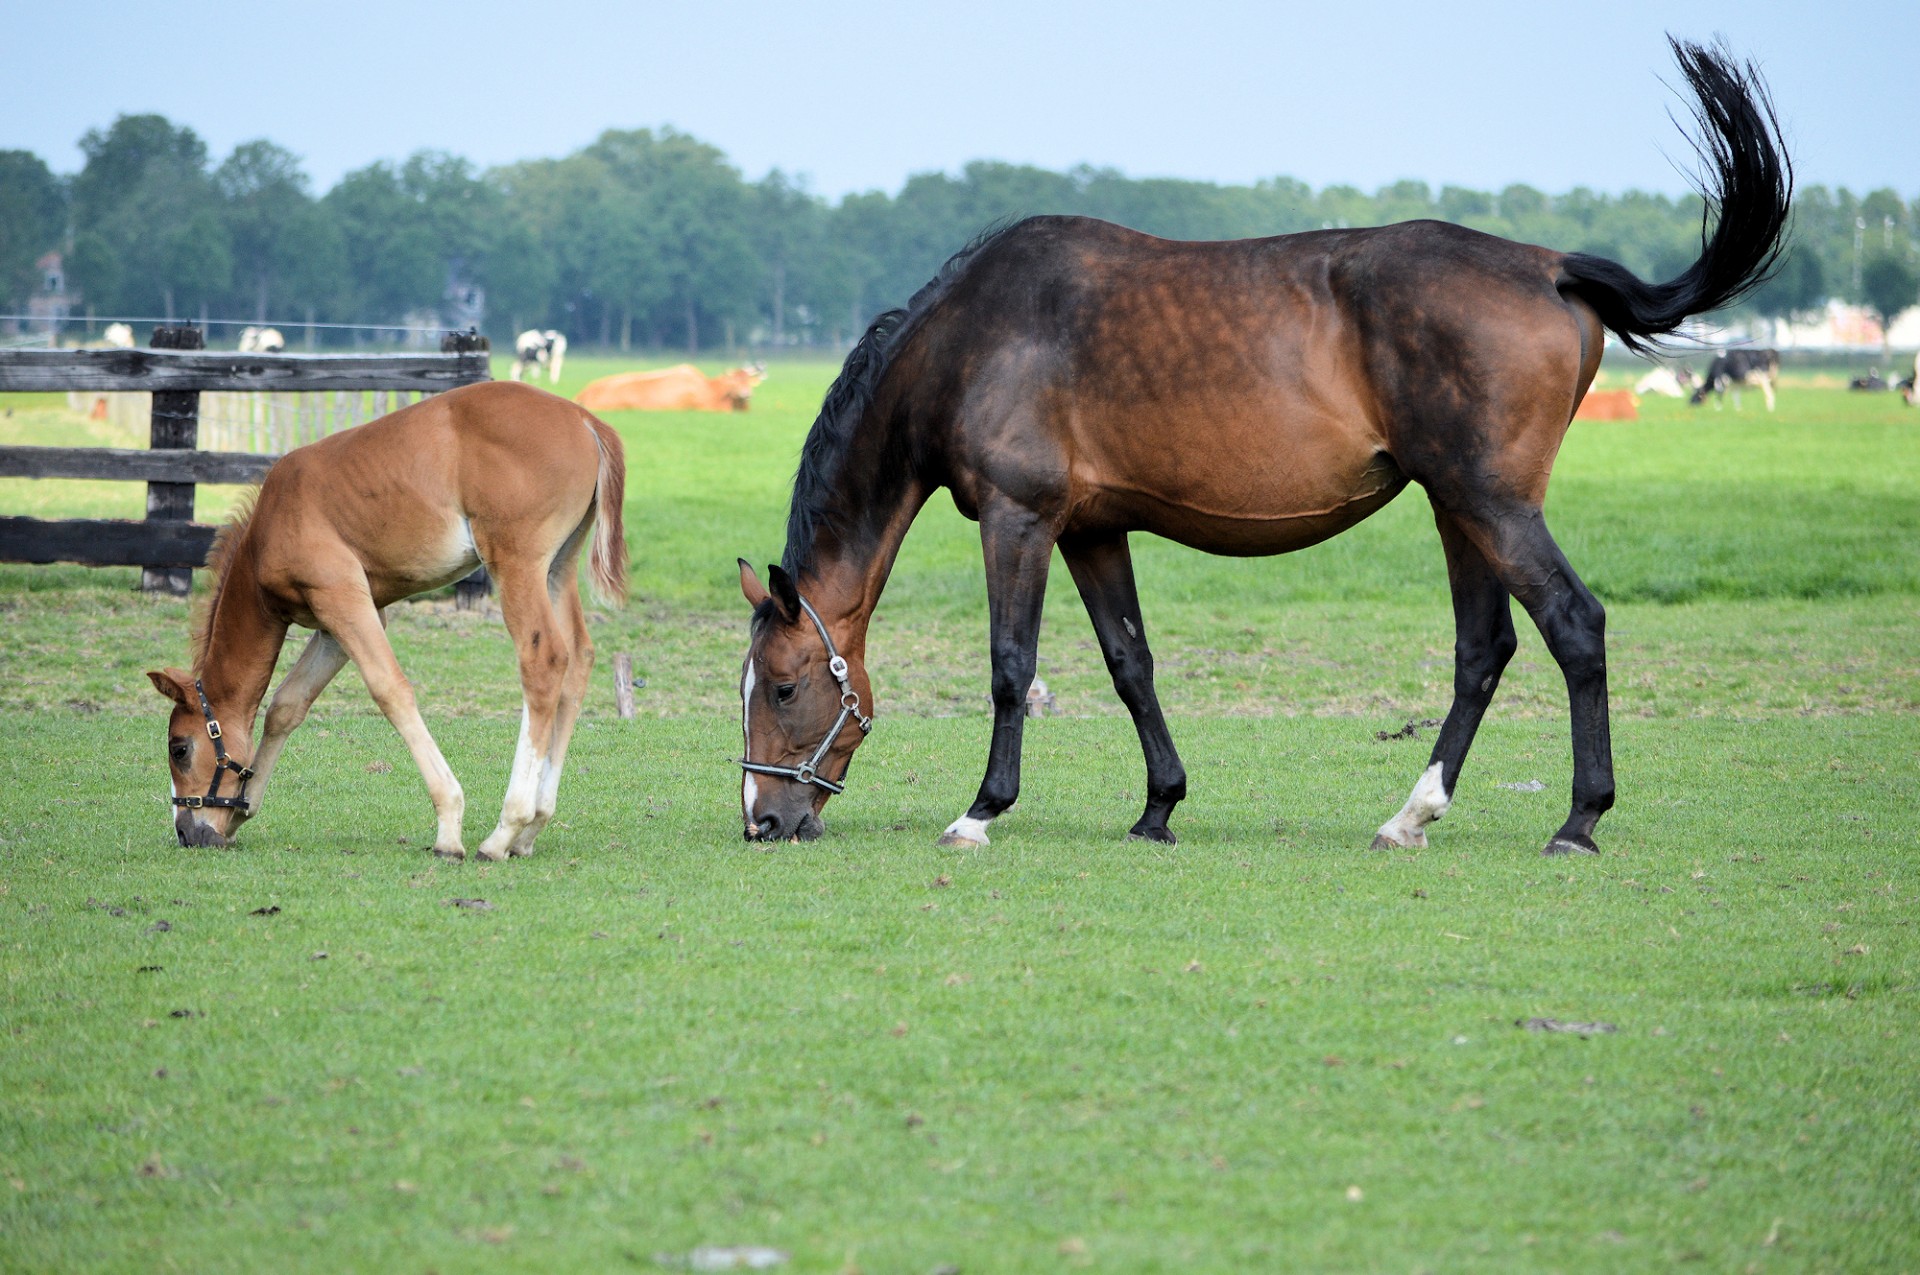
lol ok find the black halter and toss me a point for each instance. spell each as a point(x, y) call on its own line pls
point(223, 764)
point(806, 771)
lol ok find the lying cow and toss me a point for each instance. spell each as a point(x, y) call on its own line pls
point(533, 350)
point(262, 341)
point(1673, 382)
point(683, 388)
point(1871, 381)
point(1608, 405)
point(1736, 369)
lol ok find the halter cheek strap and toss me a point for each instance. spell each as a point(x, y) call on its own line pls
point(807, 772)
point(222, 763)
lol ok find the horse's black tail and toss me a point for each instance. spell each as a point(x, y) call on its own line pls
point(1749, 184)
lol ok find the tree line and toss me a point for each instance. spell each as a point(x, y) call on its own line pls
point(652, 238)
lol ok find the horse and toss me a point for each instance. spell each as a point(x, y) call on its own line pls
point(497, 475)
point(533, 350)
point(1070, 381)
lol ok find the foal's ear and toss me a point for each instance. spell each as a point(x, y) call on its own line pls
point(784, 594)
point(750, 584)
point(173, 683)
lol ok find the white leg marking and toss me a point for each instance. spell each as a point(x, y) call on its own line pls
point(1428, 801)
point(523, 787)
point(966, 829)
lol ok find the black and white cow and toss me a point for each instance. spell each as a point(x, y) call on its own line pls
point(1736, 369)
point(533, 350)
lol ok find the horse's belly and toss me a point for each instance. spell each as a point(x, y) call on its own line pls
point(1245, 511)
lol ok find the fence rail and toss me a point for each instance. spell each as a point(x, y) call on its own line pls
point(262, 404)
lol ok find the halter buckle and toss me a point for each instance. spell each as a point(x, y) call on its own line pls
point(213, 729)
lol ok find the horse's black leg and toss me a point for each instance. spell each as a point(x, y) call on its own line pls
point(1574, 625)
point(1103, 569)
point(1483, 643)
point(1019, 549)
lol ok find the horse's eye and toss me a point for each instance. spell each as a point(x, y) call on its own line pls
point(177, 750)
point(784, 692)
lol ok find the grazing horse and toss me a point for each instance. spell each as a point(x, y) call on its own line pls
point(533, 350)
point(496, 474)
point(1070, 381)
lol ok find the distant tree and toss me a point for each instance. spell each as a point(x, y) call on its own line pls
point(265, 204)
point(33, 220)
point(1797, 287)
point(1890, 284)
point(144, 206)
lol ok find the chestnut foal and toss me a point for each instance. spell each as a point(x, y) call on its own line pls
point(499, 474)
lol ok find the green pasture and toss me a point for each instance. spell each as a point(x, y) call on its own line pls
point(1267, 1048)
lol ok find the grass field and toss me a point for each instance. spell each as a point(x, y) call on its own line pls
point(1267, 1048)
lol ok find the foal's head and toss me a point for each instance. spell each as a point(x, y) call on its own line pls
point(801, 717)
point(194, 759)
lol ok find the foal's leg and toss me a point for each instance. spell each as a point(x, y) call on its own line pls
point(1103, 570)
point(1019, 549)
point(349, 615)
point(1574, 624)
point(310, 674)
point(545, 652)
point(573, 693)
point(1483, 643)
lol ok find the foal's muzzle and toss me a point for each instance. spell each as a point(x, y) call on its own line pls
point(193, 833)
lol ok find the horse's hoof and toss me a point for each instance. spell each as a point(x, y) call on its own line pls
point(453, 854)
point(1162, 835)
point(491, 854)
point(1416, 840)
point(1571, 845)
point(954, 841)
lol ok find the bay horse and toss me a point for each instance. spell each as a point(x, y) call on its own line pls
point(1070, 381)
point(496, 474)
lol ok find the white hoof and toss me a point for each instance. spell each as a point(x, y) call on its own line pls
point(966, 832)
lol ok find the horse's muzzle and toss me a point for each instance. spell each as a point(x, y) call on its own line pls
point(772, 827)
point(193, 833)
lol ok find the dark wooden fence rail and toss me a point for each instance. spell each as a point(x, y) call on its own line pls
point(168, 544)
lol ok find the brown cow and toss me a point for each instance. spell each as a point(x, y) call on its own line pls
point(683, 388)
point(1608, 405)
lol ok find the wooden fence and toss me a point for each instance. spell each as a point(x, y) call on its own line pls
point(173, 376)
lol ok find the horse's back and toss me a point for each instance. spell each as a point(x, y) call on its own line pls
point(1247, 396)
point(406, 497)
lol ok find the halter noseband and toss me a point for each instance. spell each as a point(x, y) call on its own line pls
point(222, 764)
point(807, 772)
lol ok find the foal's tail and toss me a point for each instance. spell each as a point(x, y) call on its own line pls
point(1749, 182)
point(607, 563)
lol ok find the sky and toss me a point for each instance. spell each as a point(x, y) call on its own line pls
point(858, 96)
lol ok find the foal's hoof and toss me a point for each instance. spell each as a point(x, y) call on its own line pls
point(452, 853)
point(492, 854)
point(1575, 844)
point(1416, 840)
point(954, 841)
point(1141, 832)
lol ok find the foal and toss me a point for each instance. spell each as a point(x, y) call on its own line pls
point(496, 474)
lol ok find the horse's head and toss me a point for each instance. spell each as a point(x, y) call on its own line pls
point(804, 709)
point(208, 763)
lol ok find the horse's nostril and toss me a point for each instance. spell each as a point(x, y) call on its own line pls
point(768, 826)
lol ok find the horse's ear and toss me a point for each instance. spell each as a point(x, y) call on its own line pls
point(172, 683)
point(750, 584)
point(780, 584)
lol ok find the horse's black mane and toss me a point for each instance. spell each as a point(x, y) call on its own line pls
point(823, 456)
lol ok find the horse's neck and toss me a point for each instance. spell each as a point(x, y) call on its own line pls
point(846, 577)
point(243, 644)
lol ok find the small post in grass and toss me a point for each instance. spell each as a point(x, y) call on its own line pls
point(175, 424)
point(623, 685)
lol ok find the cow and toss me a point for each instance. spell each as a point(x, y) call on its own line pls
point(1736, 369)
point(1910, 386)
point(1674, 382)
point(1608, 405)
point(682, 388)
point(1871, 381)
point(533, 350)
point(119, 336)
point(261, 341)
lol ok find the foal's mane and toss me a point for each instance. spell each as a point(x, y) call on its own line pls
point(219, 563)
point(823, 456)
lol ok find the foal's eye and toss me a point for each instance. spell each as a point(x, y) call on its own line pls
point(784, 692)
point(178, 751)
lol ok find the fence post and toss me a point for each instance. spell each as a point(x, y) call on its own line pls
point(175, 424)
point(468, 593)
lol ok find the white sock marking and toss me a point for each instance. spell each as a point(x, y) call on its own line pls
point(968, 828)
point(1428, 801)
